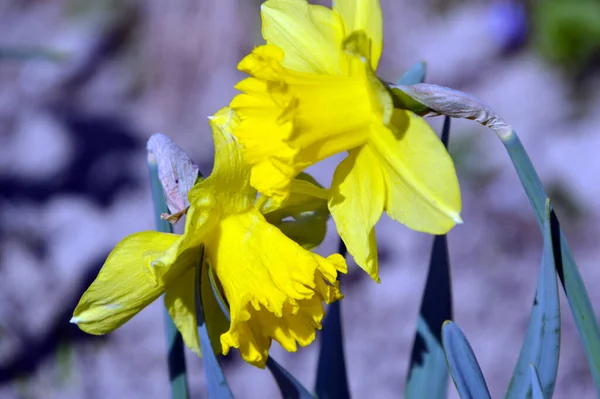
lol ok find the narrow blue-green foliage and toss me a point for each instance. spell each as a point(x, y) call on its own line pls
point(542, 342)
point(332, 379)
point(215, 379)
point(536, 385)
point(462, 364)
point(175, 347)
point(415, 74)
point(572, 283)
point(427, 372)
point(289, 386)
point(176, 359)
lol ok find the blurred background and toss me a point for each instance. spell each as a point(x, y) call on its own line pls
point(83, 85)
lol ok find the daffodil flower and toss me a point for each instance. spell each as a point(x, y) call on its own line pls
point(312, 93)
point(274, 288)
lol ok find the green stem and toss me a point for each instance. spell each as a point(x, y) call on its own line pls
point(216, 383)
point(174, 340)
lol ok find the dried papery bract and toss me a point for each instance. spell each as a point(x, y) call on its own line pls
point(177, 174)
point(439, 100)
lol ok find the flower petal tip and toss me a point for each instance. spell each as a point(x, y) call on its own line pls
point(456, 217)
point(74, 320)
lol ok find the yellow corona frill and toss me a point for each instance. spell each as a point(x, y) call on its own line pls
point(312, 92)
point(274, 288)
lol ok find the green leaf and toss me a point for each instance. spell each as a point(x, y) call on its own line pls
point(215, 379)
point(536, 386)
point(415, 74)
point(175, 347)
point(462, 364)
point(445, 101)
point(572, 283)
point(428, 373)
point(542, 342)
point(289, 386)
point(332, 378)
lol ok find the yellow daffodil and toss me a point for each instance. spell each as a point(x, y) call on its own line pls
point(312, 92)
point(274, 288)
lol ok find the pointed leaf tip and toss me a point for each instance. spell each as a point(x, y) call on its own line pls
point(462, 363)
point(415, 74)
point(542, 341)
point(428, 371)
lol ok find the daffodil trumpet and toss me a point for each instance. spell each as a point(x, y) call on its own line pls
point(312, 92)
point(275, 288)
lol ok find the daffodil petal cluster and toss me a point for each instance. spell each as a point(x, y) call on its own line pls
point(312, 93)
point(274, 288)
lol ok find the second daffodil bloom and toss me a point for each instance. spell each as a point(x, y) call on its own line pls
point(274, 288)
point(313, 93)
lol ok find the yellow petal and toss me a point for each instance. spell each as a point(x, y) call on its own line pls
point(201, 219)
point(363, 15)
point(139, 268)
point(291, 120)
point(180, 300)
point(123, 286)
point(358, 195)
point(423, 191)
point(228, 182)
point(275, 288)
point(303, 216)
point(309, 35)
point(216, 322)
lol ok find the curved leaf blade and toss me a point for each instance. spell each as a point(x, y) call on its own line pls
point(428, 373)
point(572, 283)
point(175, 355)
point(289, 386)
point(415, 74)
point(542, 341)
point(536, 385)
point(462, 363)
point(215, 379)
